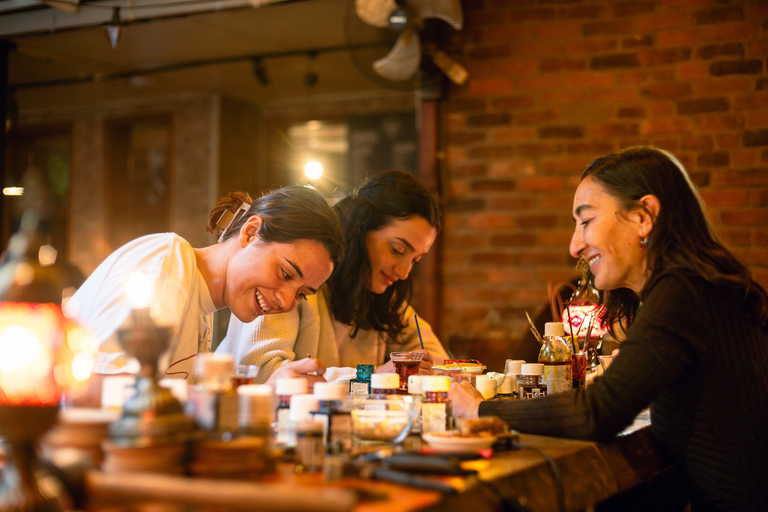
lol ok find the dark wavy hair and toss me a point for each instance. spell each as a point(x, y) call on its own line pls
point(385, 197)
point(682, 238)
point(289, 214)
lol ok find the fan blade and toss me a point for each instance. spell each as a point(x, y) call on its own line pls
point(375, 12)
point(68, 6)
point(447, 10)
point(402, 62)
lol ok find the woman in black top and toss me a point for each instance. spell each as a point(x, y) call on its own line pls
point(696, 343)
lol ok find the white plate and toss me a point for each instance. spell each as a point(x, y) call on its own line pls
point(453, 442)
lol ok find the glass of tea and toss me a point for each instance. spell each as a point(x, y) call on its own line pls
point(244, 374)
point(406, 364)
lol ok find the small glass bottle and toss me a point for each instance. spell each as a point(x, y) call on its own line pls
point(436, 405)
point(333, 414)
point(556, 356)
point(301, 409)
point(384, 384)
point(416, 390)
point(213, 400)
point(310, 451)
point(361, 384)
point(514, 366)
point(531, 386)
point(285, 389)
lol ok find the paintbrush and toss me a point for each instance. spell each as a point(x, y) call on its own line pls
point(534, 330)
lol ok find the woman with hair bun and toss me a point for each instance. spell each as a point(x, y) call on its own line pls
point(271, 253)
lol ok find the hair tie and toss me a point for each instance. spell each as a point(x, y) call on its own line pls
point(230, 218)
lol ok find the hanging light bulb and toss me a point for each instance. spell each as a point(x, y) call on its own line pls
point(313, 170)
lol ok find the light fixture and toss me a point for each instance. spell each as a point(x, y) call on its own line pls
point(113, 29)
point(43, 356)
point(260, 71)
point(313, 170)
point(13, 191)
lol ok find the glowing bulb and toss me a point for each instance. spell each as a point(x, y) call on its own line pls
point(139, 290)
point(13, 191)
point(313, 170)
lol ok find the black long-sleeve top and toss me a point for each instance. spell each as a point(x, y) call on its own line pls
point(700, 360)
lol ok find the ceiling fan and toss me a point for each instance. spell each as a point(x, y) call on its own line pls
point(407, 18)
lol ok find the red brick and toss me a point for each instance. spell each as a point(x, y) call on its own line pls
point(540, 184)
point(508, 202)
point(514, 102)
point(732, 121)
point(490, 221)
point(673, 125)
point(535, 150)
point(563, 200)
point(736, 237)
point(631, 77)
point(660, 21)
point(596, 147)
point(761, 236)
point(466, 104)
point(555, 238)
point(562, 97)
point(490, 152)
point(590, 46)
point(666, 91)
point(562, 165)
point(759, 198)
point(493, 258)
point(672, 4)
point(490, 186)
point(463, 241)
point(468, 170)
point(637, 41)
point(720, 198)
point(676, 37)
point(483, 18)
point(465, 138)
point(750, 100)
point(758, 47)
point(513, 134)
point(536, 82)
point(562, 64)
point(748, 177)
point(631, 112)
point(691, 70)
point(697, 142)
point(515, 67)
point(756, 257)
point(539, 48)
point(744, 157)
point(513, 240)
point(509, 275)
point(528, 14)
point(713, 159)
point(615, 130)
point(728, 140)
point(507, 34)
point(453, 222)
point(720, 14)
point(539, 116)
point(632, 8)
point(560, 257)
point(609, 27)
point(458, 205)
point(660, 56)
point(512, 168)
point(703, 105)
point(558, 30)
point(490, 86)
point(615, 95)
point(489, 120)
point(456, 121)
point(489, 51)
point(668, 143)
point(456, 155)
point(664, 74)
point(756, 119)
point(590, 79)
point(728, 32)
point(754, 12)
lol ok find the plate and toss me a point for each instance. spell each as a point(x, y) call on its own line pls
point(452, 441)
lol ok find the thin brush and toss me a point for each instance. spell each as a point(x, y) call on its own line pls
point(534, 330)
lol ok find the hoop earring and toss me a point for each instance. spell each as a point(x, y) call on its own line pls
point(644, 243)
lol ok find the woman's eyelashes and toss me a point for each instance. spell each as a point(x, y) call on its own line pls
point(398, 251)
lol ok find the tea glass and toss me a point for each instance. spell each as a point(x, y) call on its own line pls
point(406, 364)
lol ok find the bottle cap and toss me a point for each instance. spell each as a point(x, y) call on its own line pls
point(364, 371)
point(385, 381)
point(213, 365)
point(302, 406)
point(486, 386)
point(309, 427)
point(415, 385)
point(291, 386)
point(554, 329)
point(255, 404)
point(436, 383)
point(533, 369)
point(509, 384)
point(331, 390)
point(513, 366)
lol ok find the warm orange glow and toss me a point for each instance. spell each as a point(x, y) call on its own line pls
point(32, 348)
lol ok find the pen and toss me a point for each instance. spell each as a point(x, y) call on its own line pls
point(416, 318)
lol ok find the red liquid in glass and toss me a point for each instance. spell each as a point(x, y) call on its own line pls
point(405, 369)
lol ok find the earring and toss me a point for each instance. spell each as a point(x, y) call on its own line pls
point(644, 243)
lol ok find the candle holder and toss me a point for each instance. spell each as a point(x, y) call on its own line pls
point(153, 416)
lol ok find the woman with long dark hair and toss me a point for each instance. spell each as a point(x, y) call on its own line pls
point(362, 313)
point(696, 342)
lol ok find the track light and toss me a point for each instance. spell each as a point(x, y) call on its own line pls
point(259, 71)
point(113, 29)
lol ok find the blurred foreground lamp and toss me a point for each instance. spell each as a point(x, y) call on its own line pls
point(42, 356)
point(153, 416)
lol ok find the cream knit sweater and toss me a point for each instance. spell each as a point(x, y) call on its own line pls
point(310, 330)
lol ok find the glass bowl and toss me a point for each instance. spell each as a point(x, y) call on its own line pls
point(384, 420)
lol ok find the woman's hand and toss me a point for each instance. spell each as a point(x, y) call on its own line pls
point(308, 368)
point(465, 400)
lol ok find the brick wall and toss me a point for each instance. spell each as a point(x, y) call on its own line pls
point(554, 85)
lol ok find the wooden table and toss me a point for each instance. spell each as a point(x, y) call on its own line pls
point(591, 472)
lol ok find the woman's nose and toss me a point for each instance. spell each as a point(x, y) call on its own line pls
point(402, 269)
point(577, 244)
